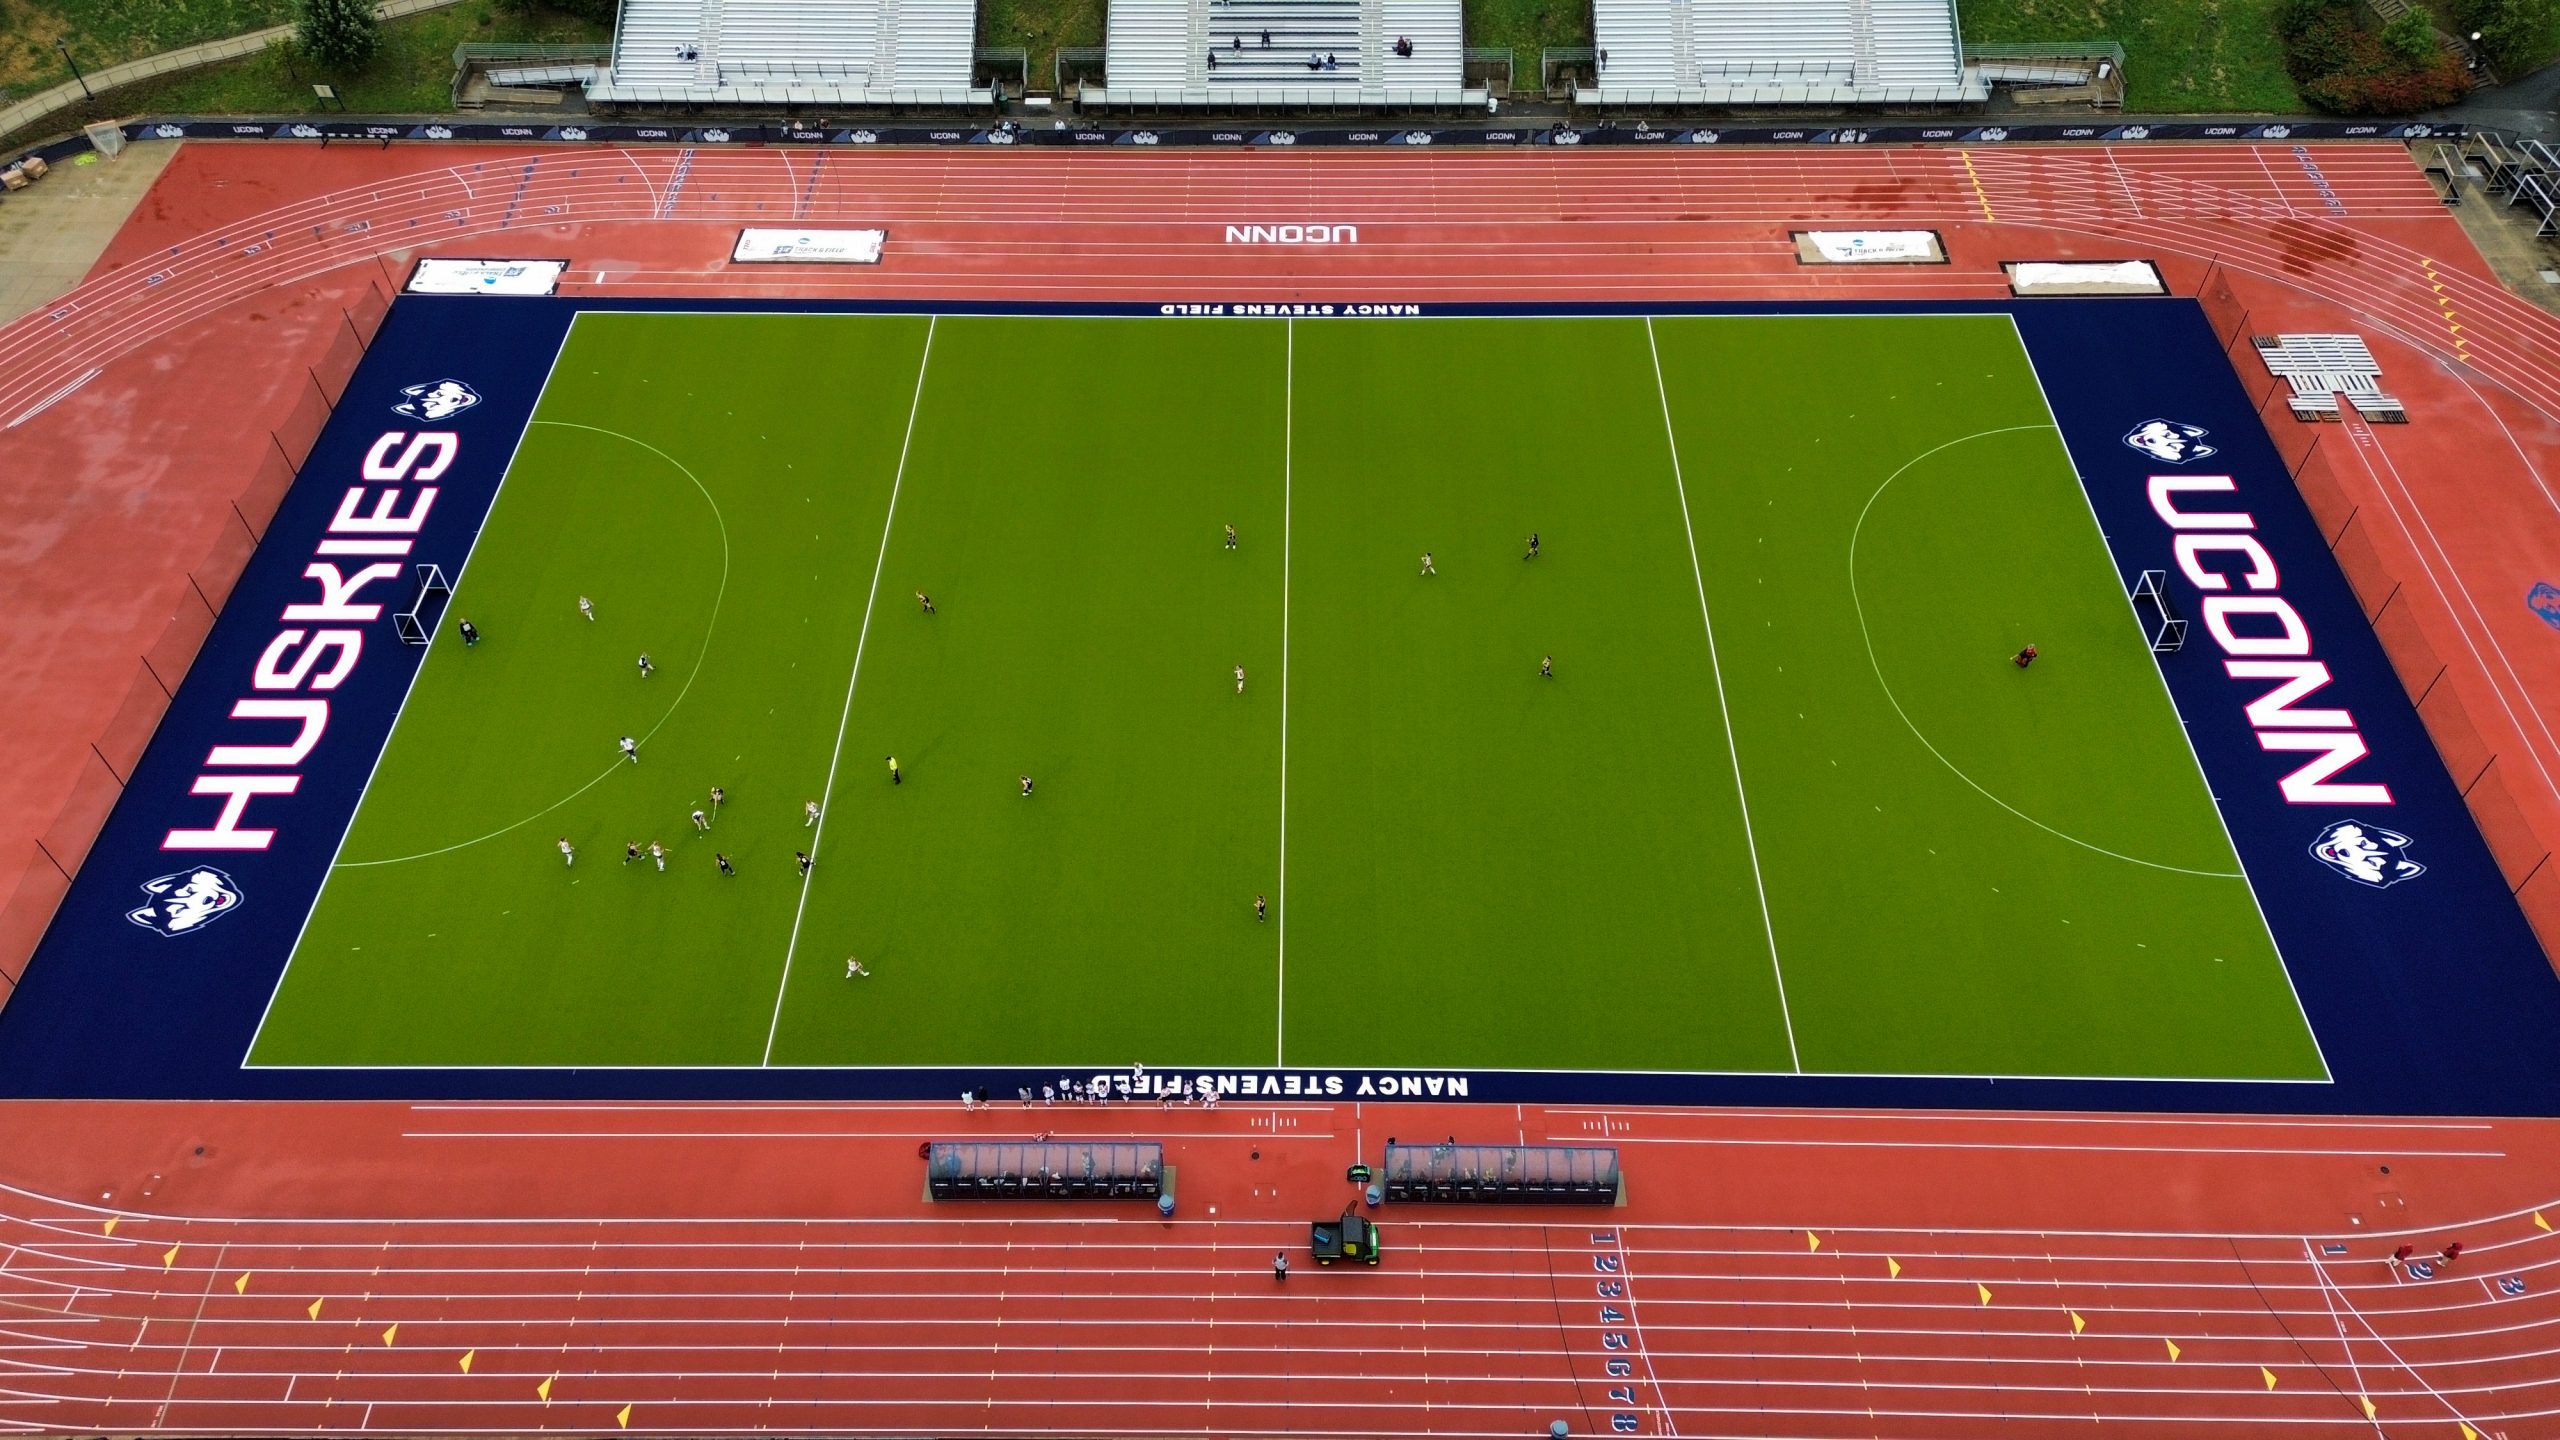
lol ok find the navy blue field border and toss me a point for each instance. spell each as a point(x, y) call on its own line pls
point(2428, 997)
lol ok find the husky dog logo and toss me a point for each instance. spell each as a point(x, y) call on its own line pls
point(2544, 600)
point(2169, 441)
point(440, 401)
point(185, 900)
point(2366, 854)
point(170, 132)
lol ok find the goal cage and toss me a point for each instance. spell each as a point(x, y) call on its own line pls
point(2161, 624)
point(415, 624)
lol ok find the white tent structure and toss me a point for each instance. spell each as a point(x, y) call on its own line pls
point(1236, 54)
point(1778, 52)
point(782, 52)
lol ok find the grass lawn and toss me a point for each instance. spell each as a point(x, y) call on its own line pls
point(2180, 56)
point(104, 32)
point(412, 73)
point(1766, 815)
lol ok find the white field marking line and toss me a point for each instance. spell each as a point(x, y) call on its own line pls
point(2368, 448)
point(826, 796)
point(2531, 470)
point(57, 396)
point(1858, 603)
point(74, 1212)
point(2405, 1367)
point(2272, 183)
point(2213, 802)
point(2101, 1149)
point(375, 772)
point(1733, 745)
point(2130, 198)
point(2345, 1345)
point(178, 1368)
point(711, 627)
point(1288, 463)
point(813, 1107)
point(1961, 1117)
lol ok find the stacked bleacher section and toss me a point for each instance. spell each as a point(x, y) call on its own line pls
point(789, 52)
point(1264, 54)
point(1777, 53)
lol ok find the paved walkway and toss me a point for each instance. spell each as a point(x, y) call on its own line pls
point(27, 114)
point(53, 231)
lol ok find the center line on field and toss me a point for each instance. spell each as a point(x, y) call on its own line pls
point(1288, 418)
point(826, 796)
point(1732, 746)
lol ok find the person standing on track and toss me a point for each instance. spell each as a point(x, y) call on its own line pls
point(1231, 537)
point(719, 797)
point(1026, 787)
point(1261, 908)
point(1533, 546)
point(802, 856)
point(1547, 666)
point(630, 851)
point(470, 633)
point(568, 852)
point(725, 867)
point(1239, 679)
point(926, 601)
point(1280, 1266)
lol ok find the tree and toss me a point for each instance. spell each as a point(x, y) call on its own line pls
point(2517, 34)
point(2411, 38)
point(338, 34)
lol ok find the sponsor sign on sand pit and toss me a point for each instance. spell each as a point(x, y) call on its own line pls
point(810, 247)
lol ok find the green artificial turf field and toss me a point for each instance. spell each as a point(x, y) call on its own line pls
point(1833, 830)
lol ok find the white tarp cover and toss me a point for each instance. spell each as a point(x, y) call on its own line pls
point(811, 247)
point(486, 277)
point(1869, 247)
point(2086, 277)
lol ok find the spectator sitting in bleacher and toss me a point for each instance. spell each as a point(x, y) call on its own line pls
point(1266, 39)
point(1329, 62)
point(1404, 46)
point(1213, 59)
point(1315, 62)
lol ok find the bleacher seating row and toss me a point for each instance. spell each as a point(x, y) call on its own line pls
point(790, 51)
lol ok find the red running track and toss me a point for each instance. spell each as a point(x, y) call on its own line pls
point(1779, 1274)
point(721, 1269)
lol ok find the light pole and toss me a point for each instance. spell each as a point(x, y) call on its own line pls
point(85, 91)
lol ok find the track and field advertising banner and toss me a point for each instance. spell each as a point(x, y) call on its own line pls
point(486, 277)
point(810, 247)
point(1871, 247)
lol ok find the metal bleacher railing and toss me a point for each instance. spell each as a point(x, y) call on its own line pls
point(470, 58)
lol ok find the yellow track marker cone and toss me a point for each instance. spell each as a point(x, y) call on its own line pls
point(2077, 1324)
point(241, 1285)
point(112, 1219)
point(391, 1334)
point(466, 1360)
point(624, 1419)
point(1892, 1268)
point(2173, 1347)
point(2267, 1375)
point(170, 1259)
point(1812, 1241)
point(315, 1307)
point(2369, 1411)
point(544, 1389)
point(2538, 1222)
point(1982, 1290)
point(2467, 1432)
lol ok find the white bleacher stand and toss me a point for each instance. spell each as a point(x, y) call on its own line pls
point(1779, 52)
point(2320, 368)
point(789, 52)
point(1328, 53)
